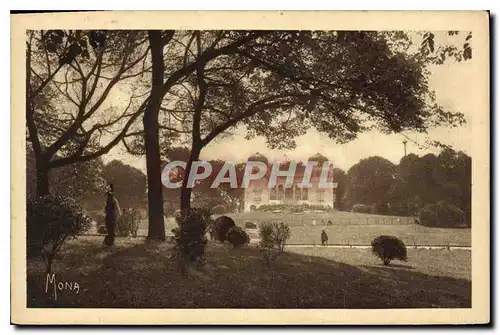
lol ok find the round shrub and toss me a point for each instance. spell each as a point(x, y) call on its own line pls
point(51, 220)
point(250, 225)
point(253, 208)
point(221, 226)
point(237, 237)
point(441, 215)
point(219, 209)
point(190, 237)
point(102, 230)
point(388, 248)
point(360, 208)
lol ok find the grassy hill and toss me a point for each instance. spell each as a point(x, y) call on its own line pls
point(135, 274)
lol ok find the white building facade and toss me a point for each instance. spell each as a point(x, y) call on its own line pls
point(258, 192)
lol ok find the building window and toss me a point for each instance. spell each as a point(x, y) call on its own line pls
point(273, 193)
point(298, 196)
point(305, 194)
point(257, 194)
point(289, 193)
point(281, 193)
point(320, 195)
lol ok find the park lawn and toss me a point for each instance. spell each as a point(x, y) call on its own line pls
point(141, 275)
point(444, 263)
point(341, 232)
point(410, 234)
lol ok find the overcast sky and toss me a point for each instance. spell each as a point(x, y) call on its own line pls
point(453, 83)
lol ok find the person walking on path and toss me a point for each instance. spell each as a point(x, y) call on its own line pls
point(324, 237)
point(112, 213)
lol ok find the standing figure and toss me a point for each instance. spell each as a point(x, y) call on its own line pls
point(324, 237)
point(112, 212)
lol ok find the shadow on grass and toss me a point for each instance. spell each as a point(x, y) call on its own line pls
point(402, 266)
point(144, 276)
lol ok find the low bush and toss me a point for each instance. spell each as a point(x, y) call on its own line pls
point(273, 236)
point(189, 237)
point(388, 248)
point(101, 229)
point(272, 207)
point(220, 227)
point(237, 237)
point(250, 225)
point(324, 208)
point(298, 209)
point(442, 215)
point(51, 221)
point(360, 208)
point(128, 223)
point(219, 209)
point(253, 208)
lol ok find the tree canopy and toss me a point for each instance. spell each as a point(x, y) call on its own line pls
point(192, 87)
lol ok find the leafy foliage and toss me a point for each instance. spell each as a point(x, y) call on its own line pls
point(129, 183)
point(442, 215)
point(273, 236)
point(340, 177)
point(439, 54)
point(78, 69)
point(431, 179)
point(221, 227)
point(388, 248)
point(51, 220)
point(279, 84)
point(237, 237)
point(371, 181)
point(190, 240)
point(128, 223)
point(83, 182)
point(360, 208)
point(294, 208)
point(404, 189)
point(250, 225)
point(219, 209)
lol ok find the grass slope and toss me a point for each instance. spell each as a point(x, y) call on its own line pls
point(135, 274)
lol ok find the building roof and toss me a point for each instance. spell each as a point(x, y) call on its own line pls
point(258, 157)
point(318, 158)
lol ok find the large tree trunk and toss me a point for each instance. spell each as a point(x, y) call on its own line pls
point(42, 179)
point(186, 198)
point(186, 191)
point(156, 224)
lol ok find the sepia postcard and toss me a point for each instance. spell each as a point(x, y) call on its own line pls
point(250, 168)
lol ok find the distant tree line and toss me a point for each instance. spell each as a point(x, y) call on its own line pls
point(406, 188)
point(86, 182)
